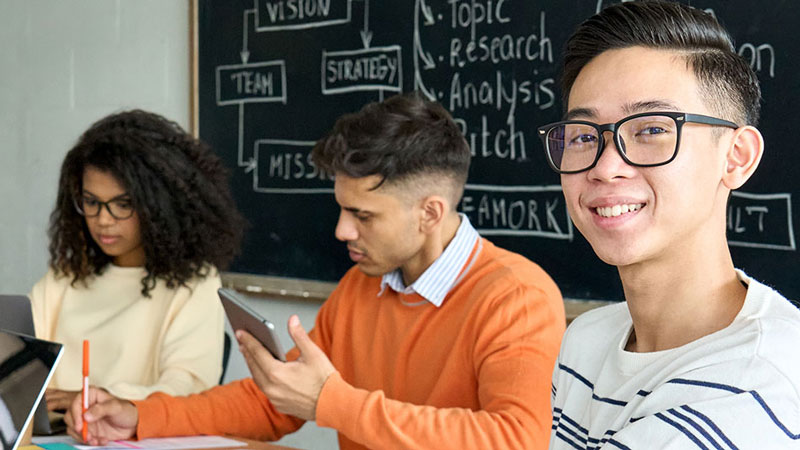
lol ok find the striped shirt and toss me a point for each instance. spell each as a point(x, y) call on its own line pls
point(736, 388)
point(437, 280)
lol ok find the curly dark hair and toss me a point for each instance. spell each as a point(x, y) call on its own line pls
point(179, 190)
point(402, 137)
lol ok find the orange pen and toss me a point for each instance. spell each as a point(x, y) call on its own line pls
point(85, 391)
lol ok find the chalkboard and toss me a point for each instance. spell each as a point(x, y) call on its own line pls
point(275, 74)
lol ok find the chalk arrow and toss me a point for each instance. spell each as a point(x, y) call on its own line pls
point(420, 85)
point(245, 54)
point(240, 161)
point(366, 35)
point(427, 14)
point(421, 55)
point(250, 166)
point(426, 58)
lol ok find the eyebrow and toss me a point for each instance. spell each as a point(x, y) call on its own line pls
point(355, 210)
point(649, 105)
point(578, 113)
point(628, 108)
point(123, 196)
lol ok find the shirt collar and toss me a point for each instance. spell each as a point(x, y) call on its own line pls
point(437, 280)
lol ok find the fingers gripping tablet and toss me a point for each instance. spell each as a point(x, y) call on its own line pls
point(242, 317)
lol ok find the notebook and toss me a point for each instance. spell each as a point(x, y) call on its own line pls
point(16, 316)
point(26, 365)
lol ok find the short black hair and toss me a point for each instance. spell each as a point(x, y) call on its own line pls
point(403, 137)
point(727, 82)
point(178, 188)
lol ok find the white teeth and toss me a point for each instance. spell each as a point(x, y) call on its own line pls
point(616, 210)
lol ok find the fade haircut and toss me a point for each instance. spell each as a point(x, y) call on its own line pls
point(728, 86)
point(405, 139)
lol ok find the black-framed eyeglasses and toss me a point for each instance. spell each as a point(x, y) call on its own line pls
point(119, 207)
point(644, 140)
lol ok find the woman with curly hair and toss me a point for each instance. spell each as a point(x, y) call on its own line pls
point(143, 221)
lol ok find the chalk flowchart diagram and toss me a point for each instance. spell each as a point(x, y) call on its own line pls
point(282, 166)
point(279, 165)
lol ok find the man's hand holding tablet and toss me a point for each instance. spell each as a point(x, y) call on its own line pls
point(242, 317)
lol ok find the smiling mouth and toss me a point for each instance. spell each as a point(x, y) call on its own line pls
point(618, 210)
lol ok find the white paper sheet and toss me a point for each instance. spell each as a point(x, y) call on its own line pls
point(171, 443)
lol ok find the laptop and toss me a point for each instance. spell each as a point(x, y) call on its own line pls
point(16, 316)
point(26, 366)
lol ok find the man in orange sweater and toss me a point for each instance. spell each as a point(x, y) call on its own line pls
point(435, 339)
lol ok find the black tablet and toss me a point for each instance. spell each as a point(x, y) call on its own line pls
point(242, 317)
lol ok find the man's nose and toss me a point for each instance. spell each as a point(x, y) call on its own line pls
point(345, 228)
point(610, 163)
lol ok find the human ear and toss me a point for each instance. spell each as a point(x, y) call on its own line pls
point(432, 211)
point(743, 156)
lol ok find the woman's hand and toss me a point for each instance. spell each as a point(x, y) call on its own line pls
point(58, 400)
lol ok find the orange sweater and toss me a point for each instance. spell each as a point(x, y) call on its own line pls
point(474, 373)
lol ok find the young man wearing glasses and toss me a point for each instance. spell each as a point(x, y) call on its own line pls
point(661, 114)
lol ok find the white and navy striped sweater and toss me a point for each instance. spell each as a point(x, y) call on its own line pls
point(738, 388)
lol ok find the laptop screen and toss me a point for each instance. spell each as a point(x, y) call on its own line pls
point(16, 314)
point(26, 365)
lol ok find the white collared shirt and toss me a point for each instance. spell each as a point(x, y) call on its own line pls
point(437, 280)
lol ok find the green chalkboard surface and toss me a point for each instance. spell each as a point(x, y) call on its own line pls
point(275, 74)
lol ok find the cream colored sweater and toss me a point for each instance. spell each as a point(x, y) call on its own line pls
point(171, 342)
